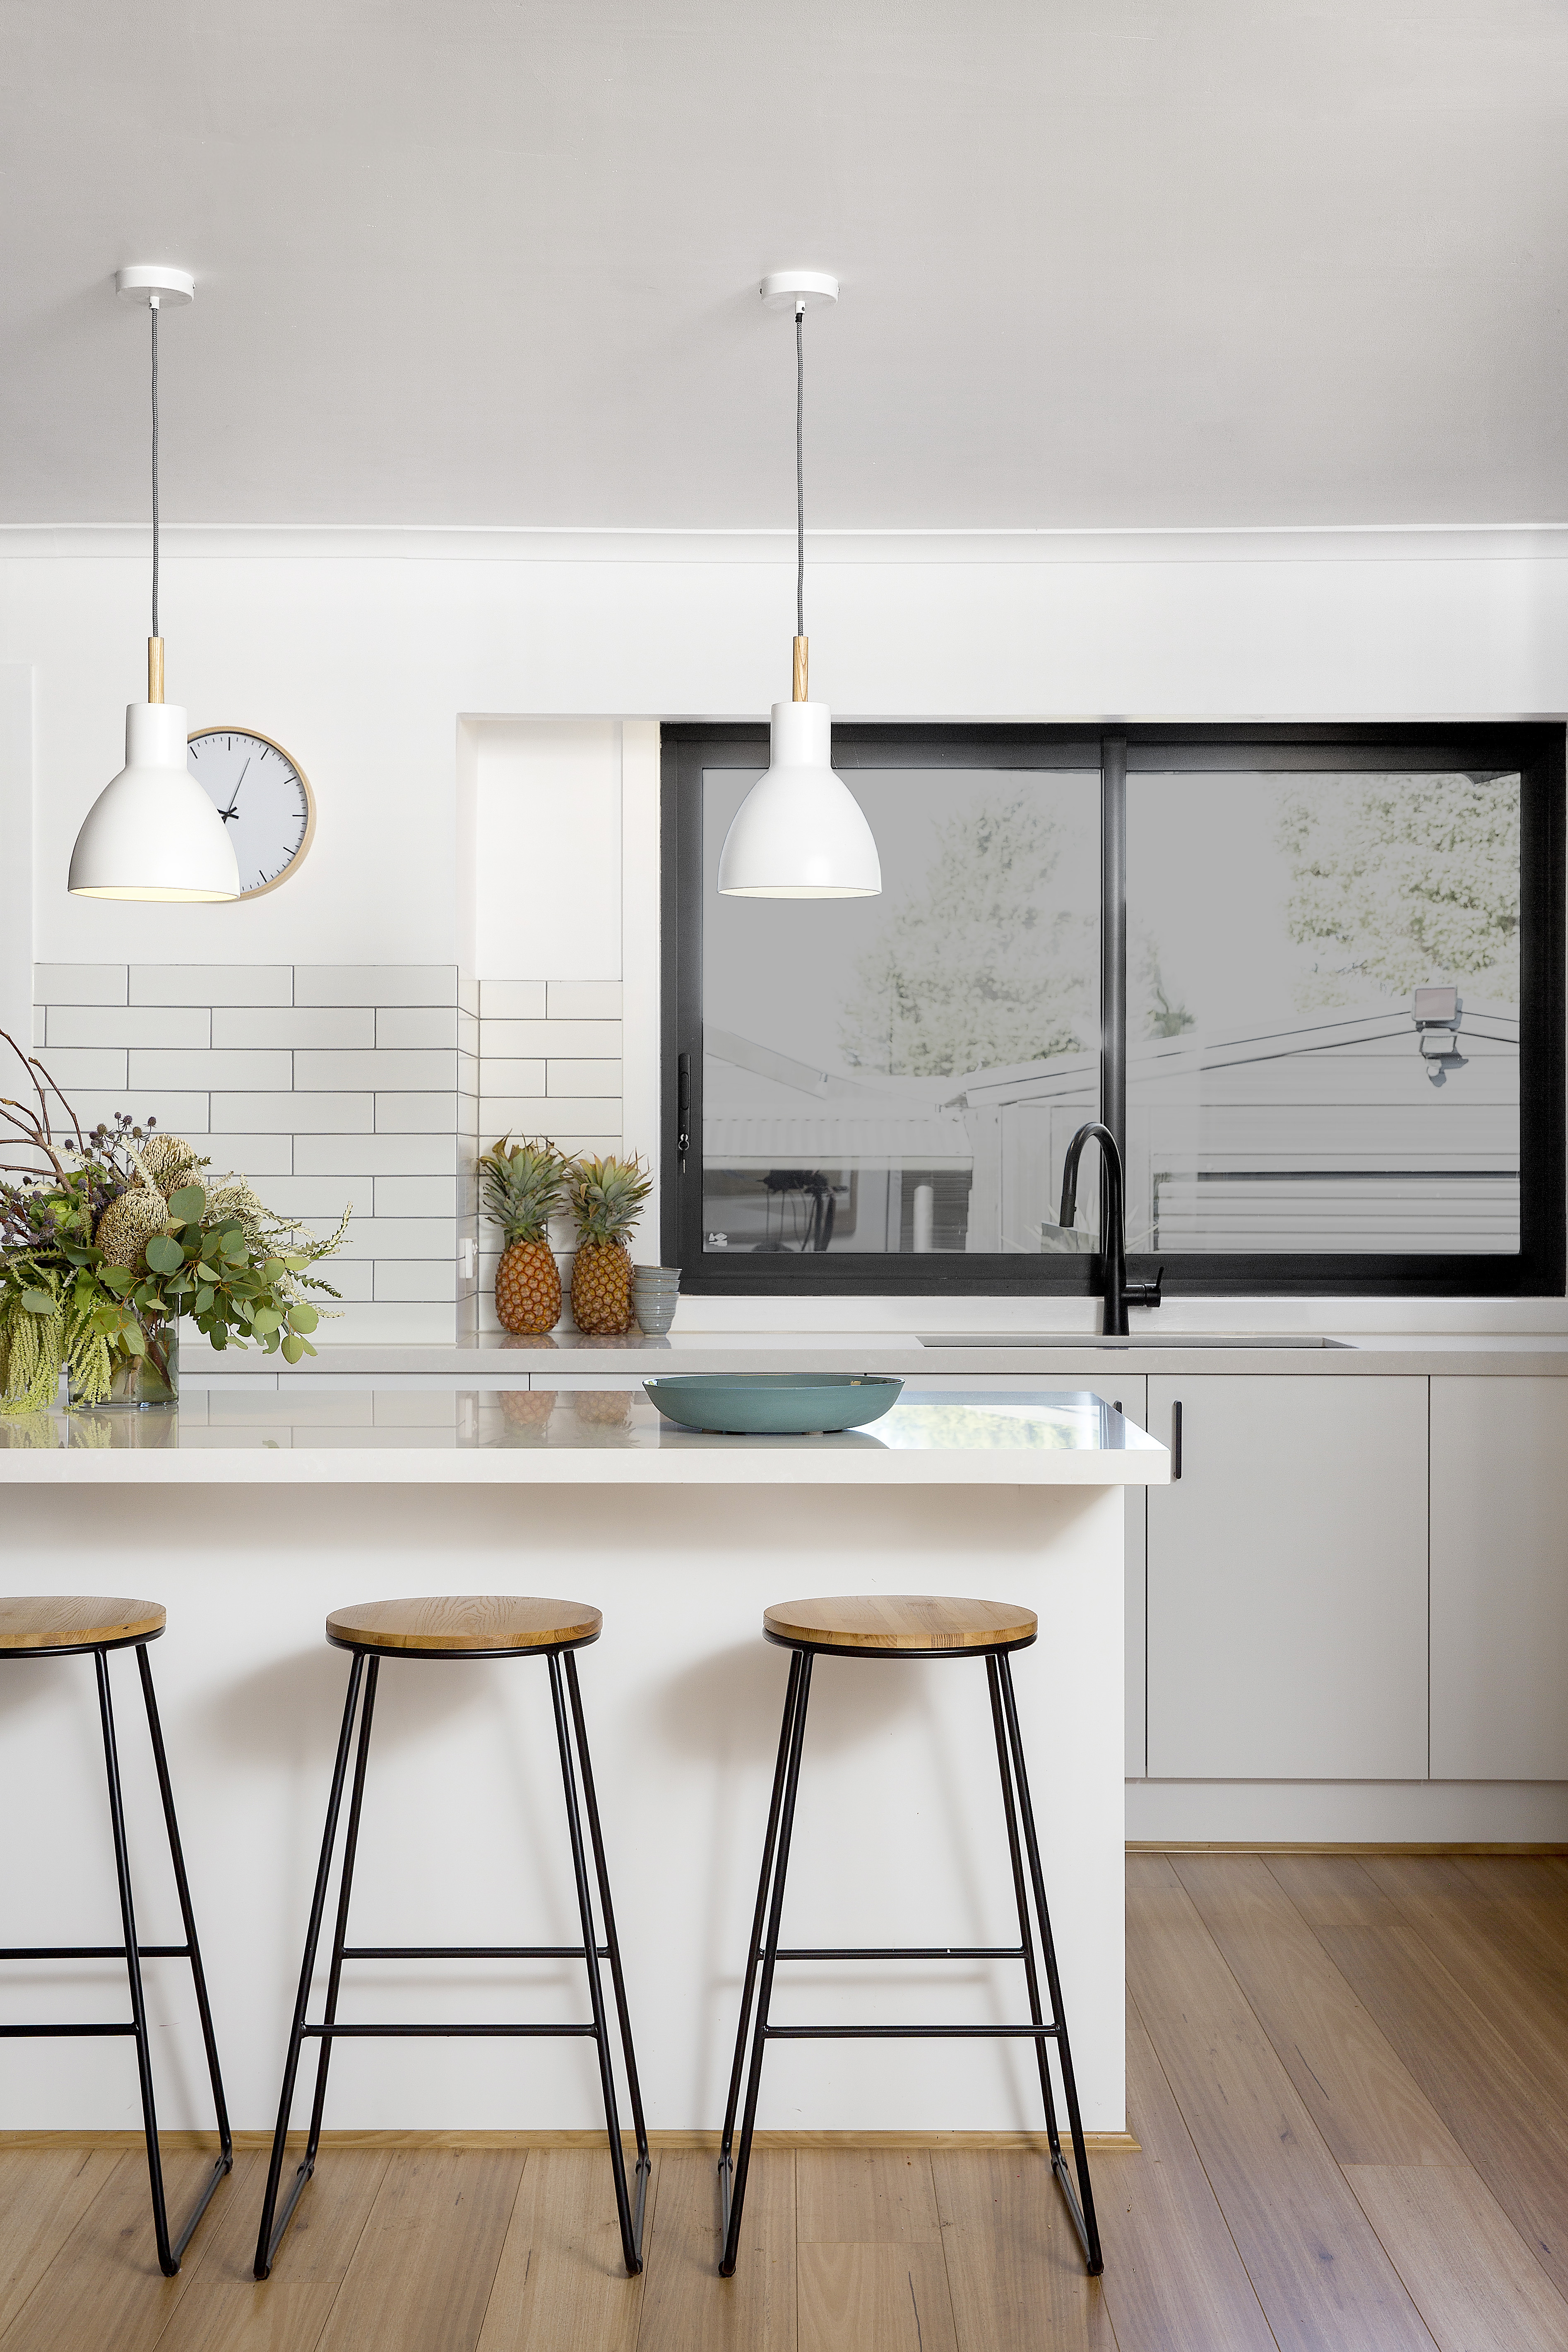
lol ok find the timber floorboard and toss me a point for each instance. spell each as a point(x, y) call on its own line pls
point(1347, 2076)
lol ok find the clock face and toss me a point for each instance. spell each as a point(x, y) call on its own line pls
point(263, 799)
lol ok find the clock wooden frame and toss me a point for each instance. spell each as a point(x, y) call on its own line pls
point(256, 735)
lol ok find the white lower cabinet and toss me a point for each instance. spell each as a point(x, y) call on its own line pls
point(1499, 1579)
point(1287, 1580)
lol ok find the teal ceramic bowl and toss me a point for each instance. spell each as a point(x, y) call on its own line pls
point(773, 1405)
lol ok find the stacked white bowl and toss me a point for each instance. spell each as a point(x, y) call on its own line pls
point(655, 1292)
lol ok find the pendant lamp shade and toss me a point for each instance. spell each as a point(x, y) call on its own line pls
point(153, 833)
point(800, 831)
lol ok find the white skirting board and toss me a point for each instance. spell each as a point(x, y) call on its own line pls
point(1371, 1813)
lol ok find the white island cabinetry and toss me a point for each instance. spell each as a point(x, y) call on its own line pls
point(1286, 1581)
point(1499, 1580)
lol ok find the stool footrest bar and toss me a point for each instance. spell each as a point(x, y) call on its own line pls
point(470, 1952)
point(46, 2032)
point(92, 1951)
point(447, 2032)
point(909, 2032)
point(902, 1952)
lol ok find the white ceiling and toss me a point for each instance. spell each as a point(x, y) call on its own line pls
point(1105, 262)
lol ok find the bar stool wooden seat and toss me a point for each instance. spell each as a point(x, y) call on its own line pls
point(456, 1627)
point(64, 1625)
point(904, 1626)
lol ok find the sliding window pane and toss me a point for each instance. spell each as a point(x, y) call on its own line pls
point(1323, 983)
point(900, 1074)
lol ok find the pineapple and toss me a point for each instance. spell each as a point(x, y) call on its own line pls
point(606, 1196)
point(528, 1408)
point(522, 1186)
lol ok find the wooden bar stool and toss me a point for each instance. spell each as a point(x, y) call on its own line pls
point(55, 1626)
point(462, 1627)
point(902, 1626)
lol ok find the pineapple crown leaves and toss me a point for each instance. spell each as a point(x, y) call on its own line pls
point(522, 1186)
point(606, 1196)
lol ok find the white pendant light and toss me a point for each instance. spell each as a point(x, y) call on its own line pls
point(153, 833)
point(800, 832)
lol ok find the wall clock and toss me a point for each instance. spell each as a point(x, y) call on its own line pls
point(263, 797)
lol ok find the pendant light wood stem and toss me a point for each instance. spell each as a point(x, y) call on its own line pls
point(800, 692)
point(154, 669)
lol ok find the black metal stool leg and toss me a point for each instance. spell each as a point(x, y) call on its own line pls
point(341, 1926)
point(802, 1690)
point(168, 2261)
point(617, 1980)
point(629, 2246)
point(198, 1976)
point(1025, 1931)
point(268, 2236)
point(1083, 2214)
point(754, 1948)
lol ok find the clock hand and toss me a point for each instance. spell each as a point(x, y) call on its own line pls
point(228, 813)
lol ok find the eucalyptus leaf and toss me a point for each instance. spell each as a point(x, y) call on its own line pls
point(164, 1255)
point(266, 1318)
point(302, 1318)
point(118, 1278)
point(203, 1298)
point(132, 1341)
point(186, 1205)
point(37, 1302)
point(293, 1347)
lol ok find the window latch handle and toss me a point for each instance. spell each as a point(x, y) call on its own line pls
point(683, 1108)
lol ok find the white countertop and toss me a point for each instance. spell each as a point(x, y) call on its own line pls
point(484, 1435)
point(1058, 1360)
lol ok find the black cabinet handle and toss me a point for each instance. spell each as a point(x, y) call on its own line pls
point(1175, 1442)
point(682, 1108)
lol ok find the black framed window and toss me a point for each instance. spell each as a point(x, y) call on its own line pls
point(1312, 978)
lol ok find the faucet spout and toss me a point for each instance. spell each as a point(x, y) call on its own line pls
point(1113, 1241)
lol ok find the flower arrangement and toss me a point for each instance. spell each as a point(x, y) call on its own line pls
point(116, 1236)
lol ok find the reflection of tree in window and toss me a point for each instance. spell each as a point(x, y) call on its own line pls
point(1405, 880)
point(984, 971)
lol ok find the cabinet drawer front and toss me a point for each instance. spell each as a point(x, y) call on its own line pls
point(1499, 1579)
point(1286, 1581)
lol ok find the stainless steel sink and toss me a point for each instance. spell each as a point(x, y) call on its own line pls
point(1067, 1342)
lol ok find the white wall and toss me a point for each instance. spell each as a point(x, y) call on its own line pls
point(361, 663)
point(383, 661)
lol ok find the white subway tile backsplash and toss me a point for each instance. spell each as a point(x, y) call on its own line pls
point(511, 1000)
point(424, 1114)
point(248, 1155)
point(572, 1077)
point(211, 984)
point(79, 983)
point(551, 1037)
point(584, 999)
point(417, 1196)
point(322, 1196)
point(375, 1155)
point(514, 1115)
point(376, 1069)
point(350, 1278)
point(380, 1237)
point(502, 1076)
point(378, 984)
point(393, 1322)
point(296, 1114)
point(135, 1024)
point(417, 1024)
point(87, 1066)
point(236, 1067)
point(184, 1114)
point(414, 1278)
point(468, 994)
point(294, 1024)
point(586, 1114)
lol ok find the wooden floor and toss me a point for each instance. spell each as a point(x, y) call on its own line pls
point(1350, 2082)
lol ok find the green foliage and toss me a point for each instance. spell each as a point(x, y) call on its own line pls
point(606, 1196)
point(522, 1186)
point(1402, 881)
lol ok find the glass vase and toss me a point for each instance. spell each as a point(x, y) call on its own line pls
point(152, 1378)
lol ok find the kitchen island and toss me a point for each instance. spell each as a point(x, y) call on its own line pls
point(268, 1508)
